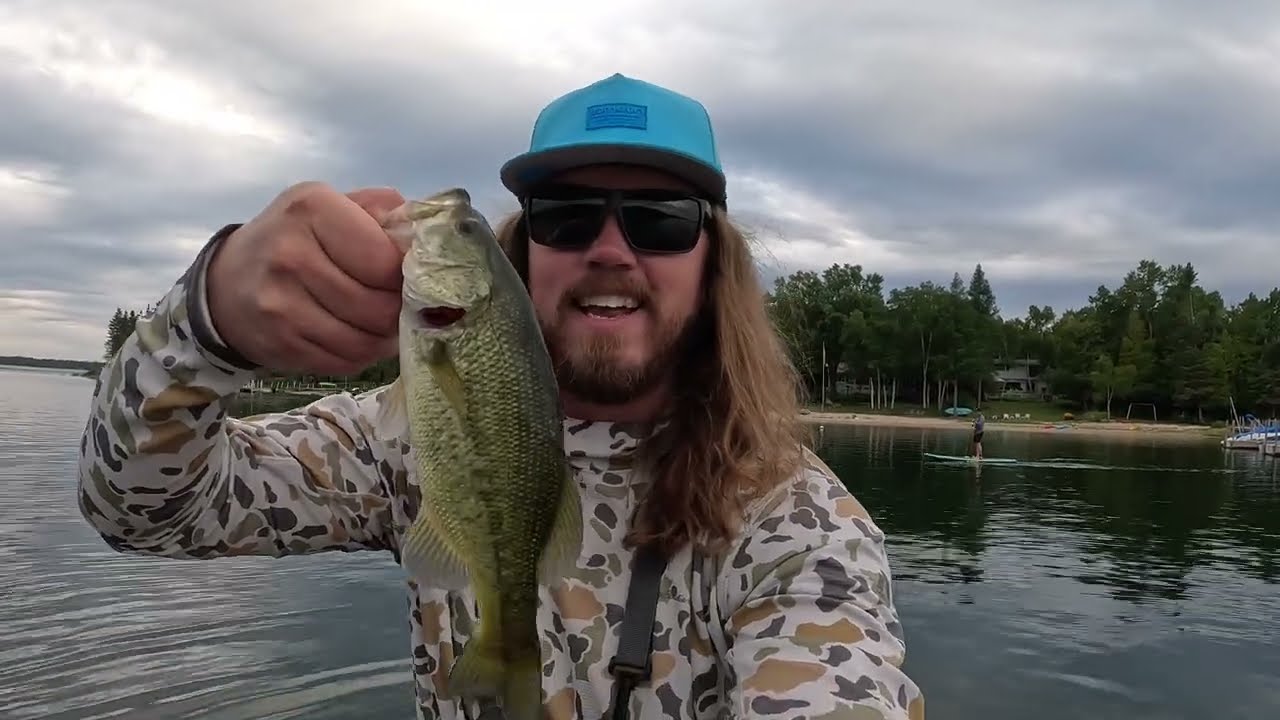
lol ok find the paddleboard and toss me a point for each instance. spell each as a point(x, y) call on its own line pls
point(972, 459)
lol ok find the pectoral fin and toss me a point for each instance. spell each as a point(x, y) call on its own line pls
point(428, 557)
point(564, 544)
point(393, 409)
point(447, 378)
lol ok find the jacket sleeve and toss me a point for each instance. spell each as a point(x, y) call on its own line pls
point(813, 631)
point(164, 470)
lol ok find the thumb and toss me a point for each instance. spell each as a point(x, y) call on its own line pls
point(377, 201)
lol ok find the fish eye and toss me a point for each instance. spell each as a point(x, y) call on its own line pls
point(466, 226)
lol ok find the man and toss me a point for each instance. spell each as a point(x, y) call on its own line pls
point(682, 428)
point(978, 425)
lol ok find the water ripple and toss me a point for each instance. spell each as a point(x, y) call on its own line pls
point(1088, 579)
point(89, 633)
point(1099, 580)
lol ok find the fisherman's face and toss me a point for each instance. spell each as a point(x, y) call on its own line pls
point(614, 355)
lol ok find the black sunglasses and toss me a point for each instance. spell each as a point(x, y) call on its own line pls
point(656, 222)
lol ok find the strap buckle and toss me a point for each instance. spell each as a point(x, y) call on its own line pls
point(630, 671)
point(626, 677)
point(632, 664)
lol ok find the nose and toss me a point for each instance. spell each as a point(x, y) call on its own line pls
point(610, 248)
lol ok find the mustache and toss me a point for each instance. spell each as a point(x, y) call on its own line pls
point(608, 284)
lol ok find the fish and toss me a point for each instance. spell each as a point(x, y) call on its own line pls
point(477, 398)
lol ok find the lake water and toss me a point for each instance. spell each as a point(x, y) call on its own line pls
point(1101, 580)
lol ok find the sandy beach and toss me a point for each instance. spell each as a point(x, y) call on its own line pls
point(1118, 429)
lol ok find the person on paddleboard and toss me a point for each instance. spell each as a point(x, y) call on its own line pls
point(978, 425)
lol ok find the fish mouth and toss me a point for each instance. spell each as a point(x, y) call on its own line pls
point(433, 314)
point(441, 316)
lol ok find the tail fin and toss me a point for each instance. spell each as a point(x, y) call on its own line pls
point(479, 672)
point(522, 692)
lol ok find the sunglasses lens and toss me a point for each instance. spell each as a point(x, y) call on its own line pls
point(565, 224)
point(656, 222)
point(662, 226)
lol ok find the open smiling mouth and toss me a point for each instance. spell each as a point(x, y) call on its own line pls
point(606, 306)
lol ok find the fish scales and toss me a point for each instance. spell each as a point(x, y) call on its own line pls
point(478, 465)
point(478, 401)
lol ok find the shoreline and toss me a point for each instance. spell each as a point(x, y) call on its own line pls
point(1115, 429)
point(246, 406)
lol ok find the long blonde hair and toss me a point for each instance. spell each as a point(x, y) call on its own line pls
point(734, 431)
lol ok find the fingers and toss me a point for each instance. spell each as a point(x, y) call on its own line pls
point(312, 358)
point(374, 311)
point(337, 345)
point(397, 225)
point(313, 282)
point(377, 201)
point(309, 357)
point(355, 241)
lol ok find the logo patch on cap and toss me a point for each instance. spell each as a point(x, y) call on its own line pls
point(618, 115)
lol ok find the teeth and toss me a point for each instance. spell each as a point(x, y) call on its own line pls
point(609, 301)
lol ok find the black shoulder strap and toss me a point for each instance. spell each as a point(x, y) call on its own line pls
point(631, 664)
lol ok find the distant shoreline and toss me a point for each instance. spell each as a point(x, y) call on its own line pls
point(49, 370)
point(1115, 429)
point(26, 362)
point(243, 405)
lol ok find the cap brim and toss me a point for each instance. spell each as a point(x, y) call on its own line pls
point(524, 171)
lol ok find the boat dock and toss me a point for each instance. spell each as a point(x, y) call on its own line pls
point(1253, 435)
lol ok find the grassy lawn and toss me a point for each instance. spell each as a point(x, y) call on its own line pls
point(1039, 411)
point(863, 409)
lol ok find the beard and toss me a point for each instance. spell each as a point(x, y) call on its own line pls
point(592, 368)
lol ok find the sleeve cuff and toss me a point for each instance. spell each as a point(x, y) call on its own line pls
point(197, 306)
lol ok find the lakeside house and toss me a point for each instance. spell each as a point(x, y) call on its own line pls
point(1020, 379)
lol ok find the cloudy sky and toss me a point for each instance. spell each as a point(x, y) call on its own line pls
point(1055, 143)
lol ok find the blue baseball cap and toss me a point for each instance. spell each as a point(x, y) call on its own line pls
point(621, 120)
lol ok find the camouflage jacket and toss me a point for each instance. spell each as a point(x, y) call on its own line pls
point(796, 620)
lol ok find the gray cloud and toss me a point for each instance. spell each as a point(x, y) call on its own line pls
point(1056, 145)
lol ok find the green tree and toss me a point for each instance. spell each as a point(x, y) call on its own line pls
point(1110, 379)
point(119, 328)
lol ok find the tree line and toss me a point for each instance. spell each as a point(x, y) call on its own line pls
point(123, 322)
point(119, 328)
point(85, 366)
point(1159, 338)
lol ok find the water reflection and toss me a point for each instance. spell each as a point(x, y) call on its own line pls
point(1097, 579)
point(1123, 579)
point(1152, 514)
point(86, 632)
